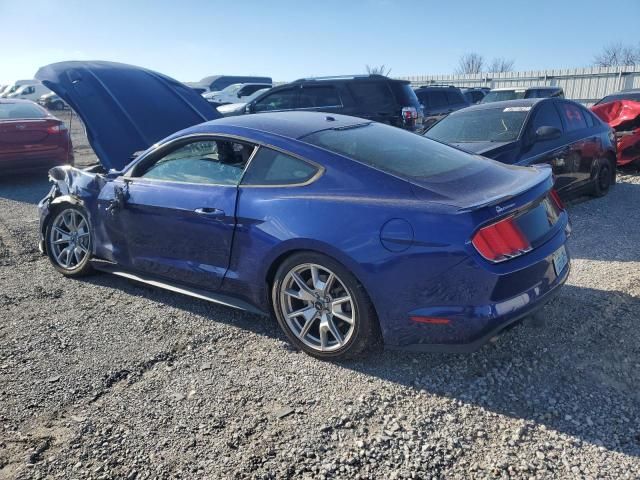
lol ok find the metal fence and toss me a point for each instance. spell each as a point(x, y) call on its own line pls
point(585, 85)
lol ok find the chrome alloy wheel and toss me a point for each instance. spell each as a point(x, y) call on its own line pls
point(317, 307)
point(69, 238)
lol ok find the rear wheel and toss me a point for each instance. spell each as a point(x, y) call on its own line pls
point(68, 238)
point(322, 307)
point(603, 178)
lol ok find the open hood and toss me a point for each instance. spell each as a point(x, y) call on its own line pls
point(125, 108)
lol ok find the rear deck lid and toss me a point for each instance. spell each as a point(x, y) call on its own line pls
point(125, 108)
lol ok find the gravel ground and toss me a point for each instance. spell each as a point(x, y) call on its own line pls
point(102, 378)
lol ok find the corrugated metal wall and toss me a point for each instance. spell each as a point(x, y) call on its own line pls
point(585, 85)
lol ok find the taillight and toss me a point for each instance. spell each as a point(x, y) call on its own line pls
point(61, 127)
point(409, 113)
point(556, 199)
point(501, 241)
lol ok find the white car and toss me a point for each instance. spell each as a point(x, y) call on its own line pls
point(9, 89)
point(30, 92)
point(231, 109)
point(238, 92)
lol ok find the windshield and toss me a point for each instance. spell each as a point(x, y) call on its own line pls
point(485, 125)
point(635, 96)
point(500, 95)
point(394, 150)
point(21, 110)
point(231, 89)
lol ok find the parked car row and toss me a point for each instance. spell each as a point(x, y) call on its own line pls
point(424, 214)
point(234, 93)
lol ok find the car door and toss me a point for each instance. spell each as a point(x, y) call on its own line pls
point(583, 143)
point(555, 152)
point(173, 214)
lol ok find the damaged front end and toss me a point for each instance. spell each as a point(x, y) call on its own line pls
point(71, 186)
point(624, 117)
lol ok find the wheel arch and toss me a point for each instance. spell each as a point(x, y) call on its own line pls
point(322, 249)
point(54, 206)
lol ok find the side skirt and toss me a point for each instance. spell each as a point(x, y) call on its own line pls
point(218, 298)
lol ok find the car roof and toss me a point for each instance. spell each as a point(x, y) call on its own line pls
point(448, 87)
point(523, 102)
point(347, 78)
point(530, 87)
point(630, 90)
point(293, 124)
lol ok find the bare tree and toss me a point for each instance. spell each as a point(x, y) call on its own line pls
point(470, 63)
point(501, 64)
point(378, 70)
point(617, 54)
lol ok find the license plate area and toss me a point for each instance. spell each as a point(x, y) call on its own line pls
point(560, 260)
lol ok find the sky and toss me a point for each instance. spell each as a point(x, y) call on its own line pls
point(287, 39)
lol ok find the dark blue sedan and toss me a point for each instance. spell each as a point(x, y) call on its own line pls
point(350, 231)
point(576, 143)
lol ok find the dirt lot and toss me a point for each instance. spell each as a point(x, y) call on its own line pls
point(102, 378)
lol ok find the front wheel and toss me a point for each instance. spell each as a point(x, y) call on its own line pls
point(68, 238)
point(322, 307)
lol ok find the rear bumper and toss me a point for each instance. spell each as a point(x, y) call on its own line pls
point(40, 162)
point(490, 321)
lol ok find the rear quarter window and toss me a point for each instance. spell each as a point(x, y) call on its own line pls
point(372, 95)
point(270, 167)
point(405, 96)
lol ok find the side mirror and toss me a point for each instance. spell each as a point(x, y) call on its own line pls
point(547, 133)
point(239, 95)
point(249, 108)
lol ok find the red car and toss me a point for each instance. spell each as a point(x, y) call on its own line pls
point(622, 112)
point(31, 139)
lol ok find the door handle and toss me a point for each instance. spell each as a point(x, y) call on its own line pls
point(210, 212)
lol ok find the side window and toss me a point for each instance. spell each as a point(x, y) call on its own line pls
point(281, 100)
point(314, 97)
point(270, 167)
point(437, 99)
point(217, 162)
point(546, 116)
point(455, 98)
point(572, 117)
point(372, 95)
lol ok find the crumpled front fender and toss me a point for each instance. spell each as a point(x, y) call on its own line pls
point(71, 186)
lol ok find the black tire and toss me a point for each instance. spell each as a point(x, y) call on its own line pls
point(603, 177)
point(79, 268)
point(365, 332)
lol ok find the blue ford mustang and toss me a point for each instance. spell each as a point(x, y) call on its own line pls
point(351, 232)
